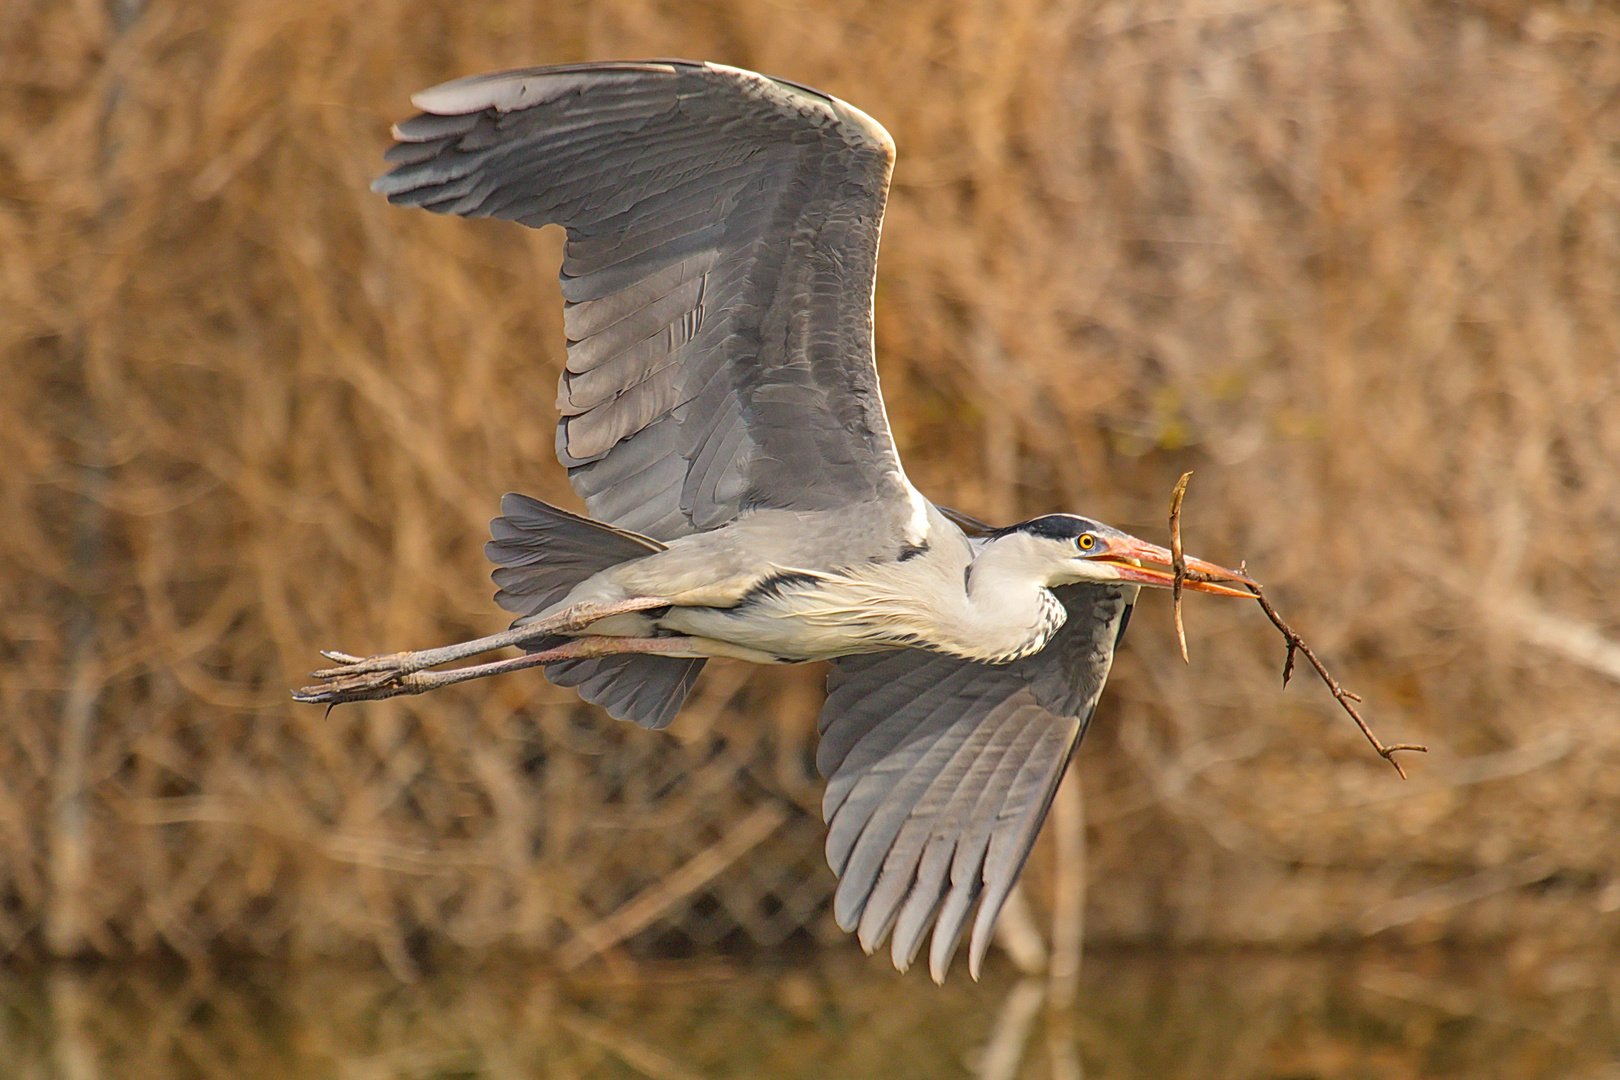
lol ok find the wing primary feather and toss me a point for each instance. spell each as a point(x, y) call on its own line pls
point(927, 893)
point(939, 810)
point(905, 711)
point(967, 864)
point(1011, 844)
point(895, 786)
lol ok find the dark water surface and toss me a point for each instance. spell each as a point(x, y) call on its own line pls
point(1497, 1012)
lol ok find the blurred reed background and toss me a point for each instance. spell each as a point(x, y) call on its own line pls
point(1355, 263)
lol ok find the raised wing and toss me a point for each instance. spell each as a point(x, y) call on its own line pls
point(941, 770)
point(718, 272)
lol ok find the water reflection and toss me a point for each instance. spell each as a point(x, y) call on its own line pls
point(1139, 1014)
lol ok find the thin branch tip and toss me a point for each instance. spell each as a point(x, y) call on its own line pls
point(1340, 694)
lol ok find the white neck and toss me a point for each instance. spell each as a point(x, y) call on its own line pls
point(1005, 610)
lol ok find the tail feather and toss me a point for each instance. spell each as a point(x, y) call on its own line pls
point(541, 553)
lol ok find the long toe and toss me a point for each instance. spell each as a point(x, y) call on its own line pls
point(392, 665)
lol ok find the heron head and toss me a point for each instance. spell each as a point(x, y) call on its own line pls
point(1074, 549)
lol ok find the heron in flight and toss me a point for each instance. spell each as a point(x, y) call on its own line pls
point(721, 420)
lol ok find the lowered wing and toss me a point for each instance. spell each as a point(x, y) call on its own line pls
point(941, 770)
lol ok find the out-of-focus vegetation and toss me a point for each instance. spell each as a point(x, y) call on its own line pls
point(1357, 264)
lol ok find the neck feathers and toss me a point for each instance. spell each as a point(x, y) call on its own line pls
point(1008, 610)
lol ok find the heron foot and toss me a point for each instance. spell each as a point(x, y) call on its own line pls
point(337, 688)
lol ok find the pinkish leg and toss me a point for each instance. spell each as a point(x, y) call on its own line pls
point(375, 683)
point(574, 619)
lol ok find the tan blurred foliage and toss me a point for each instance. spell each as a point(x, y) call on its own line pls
point(1356, 263)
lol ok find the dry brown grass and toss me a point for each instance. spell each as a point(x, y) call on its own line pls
point(1357, 264)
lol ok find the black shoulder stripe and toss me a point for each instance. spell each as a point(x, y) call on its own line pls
point(773, 586)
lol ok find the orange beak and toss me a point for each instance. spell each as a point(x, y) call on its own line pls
point(1127, 554)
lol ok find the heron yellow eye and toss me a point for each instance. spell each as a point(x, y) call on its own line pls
point(1087, 542)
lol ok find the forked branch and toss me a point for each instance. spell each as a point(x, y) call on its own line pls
point(1296, 644)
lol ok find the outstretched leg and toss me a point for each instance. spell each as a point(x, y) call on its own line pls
point(385, 669)
point(374, 684)
point(570, 621)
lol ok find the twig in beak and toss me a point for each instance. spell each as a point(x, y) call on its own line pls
point(1178, 564)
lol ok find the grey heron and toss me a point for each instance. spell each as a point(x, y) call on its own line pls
point(720, 418)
